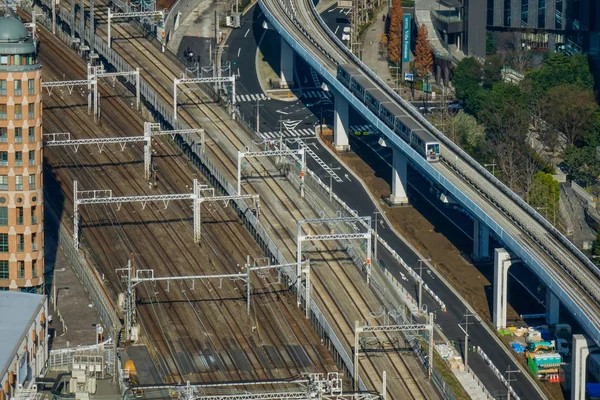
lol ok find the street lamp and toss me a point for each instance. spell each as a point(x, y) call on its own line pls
point(509, 380)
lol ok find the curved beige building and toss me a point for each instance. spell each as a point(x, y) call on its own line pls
point(21, 161)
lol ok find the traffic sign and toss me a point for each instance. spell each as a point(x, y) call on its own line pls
point(409, 77)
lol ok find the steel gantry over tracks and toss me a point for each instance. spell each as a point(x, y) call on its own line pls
point(333, 236)
point(90, 197)
point(183, 81)
point(134, 277)
point(358, 329)
point(136, 14)
point(272, 153)
point(150, 129)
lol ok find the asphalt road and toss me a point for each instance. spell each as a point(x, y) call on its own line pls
point(241, 52)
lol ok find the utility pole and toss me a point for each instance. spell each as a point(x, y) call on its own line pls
point(420, 268)
point(493, 165)
point(509, 379)
point(375, 239)
point(466, 331)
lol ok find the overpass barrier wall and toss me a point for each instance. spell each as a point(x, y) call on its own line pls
point(201, 160)
point(419, 162)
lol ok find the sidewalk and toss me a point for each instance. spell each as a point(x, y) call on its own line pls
point(74, 323)
point(371, 56)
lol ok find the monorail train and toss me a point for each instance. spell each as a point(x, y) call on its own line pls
point(394, 117)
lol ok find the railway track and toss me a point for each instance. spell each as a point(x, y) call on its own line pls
point(183, 328)
point(143, 54)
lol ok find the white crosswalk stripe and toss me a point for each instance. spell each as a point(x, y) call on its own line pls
point(251, 97)
point(363, 128)
point(296, 133)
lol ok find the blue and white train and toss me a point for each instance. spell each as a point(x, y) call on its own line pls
point(394, 117)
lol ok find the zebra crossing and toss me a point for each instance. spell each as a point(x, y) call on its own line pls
point(251, 97)
point(316, 94)
point(288, 134)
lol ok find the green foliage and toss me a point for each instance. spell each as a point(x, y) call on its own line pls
point(492, 71)
point(467, 79)
point(561, 69)
point(581, 164)
point(570, 110)
point(544, 195)
point(596, 248)
point(490, 44)
point(505, 113)
point(462, 129)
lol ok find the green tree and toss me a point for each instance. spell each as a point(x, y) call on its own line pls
point(570, 110)
point(559, 69)
point(544, 196)
point(467, 83)
point(596, 248)
point(581, 164)
point(490, 43)
point(492, 71)
point(506, 120)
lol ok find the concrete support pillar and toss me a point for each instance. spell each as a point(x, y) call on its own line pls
point(399, 182)
point(481, 241)
point(287, 65)
point(502, 262)
point(578, 367)
point(341, 123)
point(552, 307)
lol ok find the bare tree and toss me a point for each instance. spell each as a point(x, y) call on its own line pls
point(530, 167)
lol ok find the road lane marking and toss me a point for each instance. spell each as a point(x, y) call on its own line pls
point(336, 30)
point(247, 32)
point(240, 49)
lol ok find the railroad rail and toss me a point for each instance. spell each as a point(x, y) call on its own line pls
point(333, 284)
point(176, 324)
point(559, 264)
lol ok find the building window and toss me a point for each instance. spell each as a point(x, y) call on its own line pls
point(2, 87)
point(4, 272)
point(18, 135)
point(17, 59)
point(3, 216)
point(3, 60)
point(18, 158)
point(20, 242)
point(3, 242)
point(3, 158)
point(18, 88)
point(490, 12)
point(20, 218)
point(34, 268)
point(31, 182)
point(558, 21)
point(3, 112)
point(31, 134)
point(3, 182)
point(507, 11)
point(20, 269)
point(31, 86)
point(31, 111)
point(34, 245)
point(31, 158)
point(18, 111)
point(541, 14)
point(33, 215)
point(18, 182)
point(3, 135)
point(524, 13)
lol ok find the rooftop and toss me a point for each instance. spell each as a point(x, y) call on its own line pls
point(17, 310)
point(12, 30)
